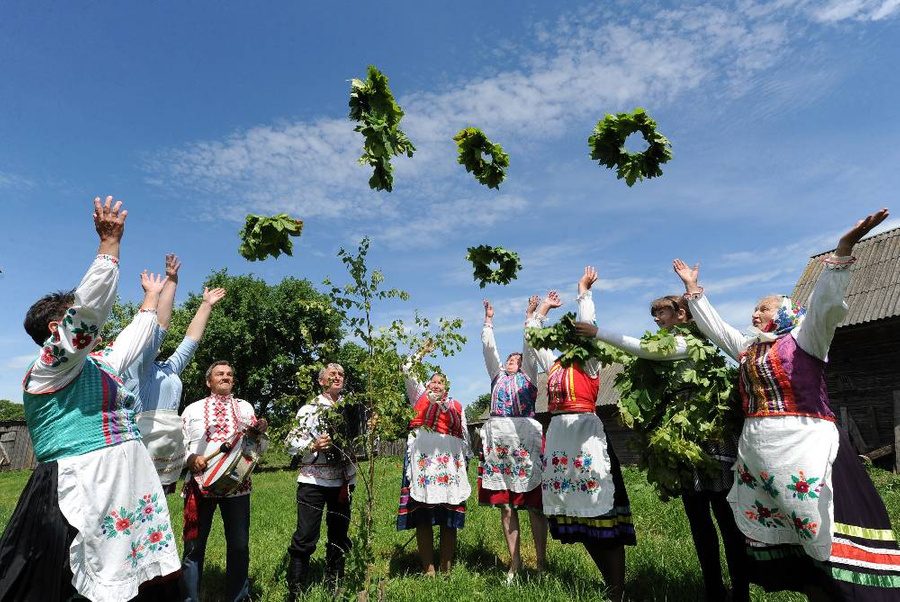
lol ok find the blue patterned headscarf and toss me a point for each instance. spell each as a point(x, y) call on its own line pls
point(788, 317)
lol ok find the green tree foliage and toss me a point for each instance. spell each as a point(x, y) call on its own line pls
point(475, 409)
point(11, 411)
point(574, 349)
point(675, 407)
point(275, 336)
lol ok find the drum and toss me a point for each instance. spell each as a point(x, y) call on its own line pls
point(226, 472)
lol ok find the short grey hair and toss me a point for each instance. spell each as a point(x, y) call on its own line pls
point(217, 363)
point(327, 368)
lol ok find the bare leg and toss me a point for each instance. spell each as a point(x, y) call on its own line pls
point(510, 519)
point(611, 562)
point(448, 547)
point(539, 533)
point(425, 540)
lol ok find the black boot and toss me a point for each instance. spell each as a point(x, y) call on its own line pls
point(334, 571)
point(297, 577)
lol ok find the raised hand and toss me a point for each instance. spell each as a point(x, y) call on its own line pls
point(109, 219)
point(587, 280)
point(862, 227)
point(553, 300)
point(533, 302)
point(172, 266)
point(689, 276)
point(211, 297)
point(585, 329)
point(152, 283)
point(488, 311)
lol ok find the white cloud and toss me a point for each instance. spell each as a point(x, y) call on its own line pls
point(860, 10)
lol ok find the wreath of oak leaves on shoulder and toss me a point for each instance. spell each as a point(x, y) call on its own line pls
point(378, 115)
point(474, 147)
point(574, 349)
point(675, 407)
point(264, 237)
point(483, 256)
point(607, 145)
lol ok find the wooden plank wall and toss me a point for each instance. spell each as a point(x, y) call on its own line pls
point(16, 451)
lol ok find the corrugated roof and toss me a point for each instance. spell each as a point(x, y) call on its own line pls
point(874, 291)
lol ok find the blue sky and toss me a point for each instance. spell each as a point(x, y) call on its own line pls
point(782, 115)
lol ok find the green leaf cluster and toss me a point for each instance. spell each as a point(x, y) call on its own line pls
point(675, 407)
point(264, 237)
point(483, 256)
point(378, 115)
point(11, 411)
point(574, 349)
point(473, 147)
point(607, 144)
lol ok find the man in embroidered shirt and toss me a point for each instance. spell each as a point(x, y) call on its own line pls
point(206, 424)
point(327, 477)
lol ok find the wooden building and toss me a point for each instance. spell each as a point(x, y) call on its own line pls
point(864, 360)
point(16, 451)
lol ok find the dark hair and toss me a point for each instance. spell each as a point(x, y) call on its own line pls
point(673, 302)
point(521, 357)
point(47, 309)
point(214, 364)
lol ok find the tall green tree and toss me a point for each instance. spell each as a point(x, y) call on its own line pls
point(475, 409)
point(11, 411)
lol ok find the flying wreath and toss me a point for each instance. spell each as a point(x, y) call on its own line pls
point(607, 145)
point(483, 256)
point(474, 147)
point(378, 115)
point(264, 236)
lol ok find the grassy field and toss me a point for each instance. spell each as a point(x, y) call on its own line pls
point(662, 566)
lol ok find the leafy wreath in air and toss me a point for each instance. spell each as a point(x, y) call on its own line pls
point(483, 256)
point(607, 145)
point(474, 147)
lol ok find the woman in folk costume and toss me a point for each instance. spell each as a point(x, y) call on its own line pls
point(584, 493)
point(510, 471)
point(93, 518)
point(705, 493)
point(435, 484)
point(157, 384)
point(814, 519)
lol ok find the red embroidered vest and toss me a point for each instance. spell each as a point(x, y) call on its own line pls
point(570, 390)
point(430, 415)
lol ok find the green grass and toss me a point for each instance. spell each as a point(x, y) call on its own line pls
point(663, 566)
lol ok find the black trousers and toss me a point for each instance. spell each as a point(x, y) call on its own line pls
point(697, 506)
point(312, 501)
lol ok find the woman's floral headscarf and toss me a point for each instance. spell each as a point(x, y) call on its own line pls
point(788, 317)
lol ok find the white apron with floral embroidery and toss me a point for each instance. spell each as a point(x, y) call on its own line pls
point(164, 440)
point(437, 468)
point(782, 484)
point(124, 533)
point(512, 454)
point(576, 476)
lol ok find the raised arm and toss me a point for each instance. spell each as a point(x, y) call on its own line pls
point(414, 388)
point(179, 360)
point(541, 359)
point(488, 344)
point(631, 345)
point(587, 312)
point(72, 339)
point(729, 339)
point(167, 295)
point(131, 342)
point(529, 360)
point(826, 306)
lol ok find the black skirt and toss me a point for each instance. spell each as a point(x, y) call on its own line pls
point(34, 549)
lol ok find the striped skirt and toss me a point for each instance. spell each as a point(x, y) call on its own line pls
point(865, 559)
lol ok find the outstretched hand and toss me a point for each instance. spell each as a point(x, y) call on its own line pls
point(152, 283)
point(172, 266)
point(862, 227)
point(213, 296)
point(533, 302)
point(109, 219)
point(689, 275)
point(553, 300)
point(587, 280)
point(488, 311)
point(585, 329)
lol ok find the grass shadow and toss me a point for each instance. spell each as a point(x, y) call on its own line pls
point(648, 583)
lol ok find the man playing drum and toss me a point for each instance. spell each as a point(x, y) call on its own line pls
point(212, 427)
point(327, 477)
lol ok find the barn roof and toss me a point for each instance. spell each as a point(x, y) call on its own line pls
point(874, 291)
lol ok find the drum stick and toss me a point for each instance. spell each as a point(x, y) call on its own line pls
point(223, 449)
